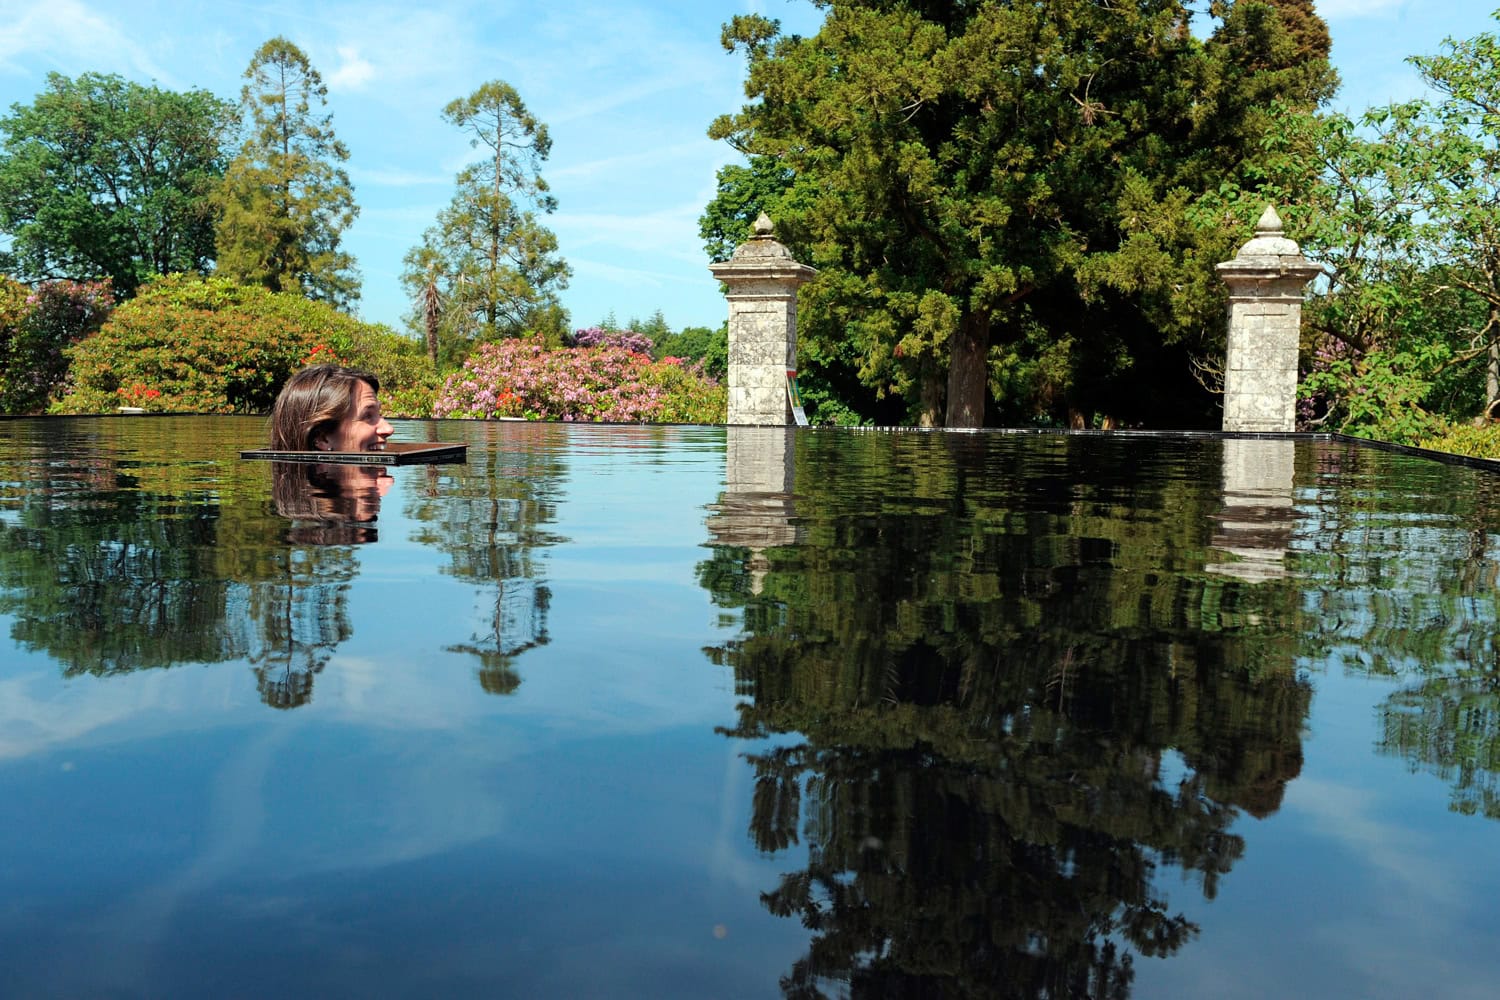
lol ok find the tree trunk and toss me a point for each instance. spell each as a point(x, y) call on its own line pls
point(1492, 372)
point(968, 371)
point(930, 385)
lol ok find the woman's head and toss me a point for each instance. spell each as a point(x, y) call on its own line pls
point(328, 408)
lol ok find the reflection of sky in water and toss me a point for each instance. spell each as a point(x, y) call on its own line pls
point(586, 834)
point(193, 834)
point(1363, 885)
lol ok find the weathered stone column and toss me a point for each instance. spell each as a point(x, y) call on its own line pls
point(762, 279)
point(1265, 282)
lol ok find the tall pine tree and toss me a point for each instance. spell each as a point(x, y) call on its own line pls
point(495, 264)
point(286, 199)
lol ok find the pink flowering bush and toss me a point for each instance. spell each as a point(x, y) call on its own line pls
point(521, 378)
point(594, 336)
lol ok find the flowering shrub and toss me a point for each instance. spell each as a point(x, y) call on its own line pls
point(594, 336)
point(207, 345)
point(518, 378)
point(36, 327)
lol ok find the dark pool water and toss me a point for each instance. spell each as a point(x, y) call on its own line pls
point(695, 712)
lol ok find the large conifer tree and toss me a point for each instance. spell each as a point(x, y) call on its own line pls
point(1017, 202)
point(492, 261)
point(286, 199)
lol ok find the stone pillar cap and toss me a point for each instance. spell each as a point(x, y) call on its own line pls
point(1271, 250)
point(762, 256)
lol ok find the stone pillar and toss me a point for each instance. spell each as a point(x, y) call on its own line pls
point(762, 279)
point(1265, 284)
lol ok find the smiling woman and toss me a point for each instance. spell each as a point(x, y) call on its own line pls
point(329, 408)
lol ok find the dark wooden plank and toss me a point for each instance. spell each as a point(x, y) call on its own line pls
point(395, 453)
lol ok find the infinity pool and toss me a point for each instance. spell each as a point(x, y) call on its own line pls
point(707, 712)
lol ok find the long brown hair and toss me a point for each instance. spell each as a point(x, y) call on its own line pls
point(314, 402)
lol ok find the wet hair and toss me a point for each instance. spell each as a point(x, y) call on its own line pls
point(313, 402)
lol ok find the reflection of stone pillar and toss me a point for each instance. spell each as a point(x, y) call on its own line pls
point(1255, 526)
point(757, 505)
point(762, 280)
point(1265, 284)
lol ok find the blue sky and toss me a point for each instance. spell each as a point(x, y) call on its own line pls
point(627, 90)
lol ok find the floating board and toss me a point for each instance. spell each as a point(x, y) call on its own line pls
point(394, 453)
point(794, 396)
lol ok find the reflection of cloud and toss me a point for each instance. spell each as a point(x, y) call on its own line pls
point(727, 861)
point(131, 934)
point(1343, 813)
point(38, 715)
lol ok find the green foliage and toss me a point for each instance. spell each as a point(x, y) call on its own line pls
point(286, 199)
point(688, 395)
point(1380, 394)
point(104, 178)
point(696, 343)
point(1465, 439)
point(1073, 168)
point(488, 268)
point(744, 192)
point(1408, 215)
point(36, 328)
point(408, 380)
point(208, 345)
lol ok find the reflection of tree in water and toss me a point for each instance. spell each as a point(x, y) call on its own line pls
point(303, 617)
point(1406, 582)
point(488, 516)
point(110, 559)
point(1016, 697)
point(117, 554)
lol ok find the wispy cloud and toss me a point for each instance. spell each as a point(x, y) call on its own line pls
point(647, 157)
point(56, 31)
point(353, 71)
point(398, 178)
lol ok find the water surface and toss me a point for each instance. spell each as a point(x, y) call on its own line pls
point(645, 711)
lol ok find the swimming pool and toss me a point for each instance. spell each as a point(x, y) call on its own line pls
point(667, 711)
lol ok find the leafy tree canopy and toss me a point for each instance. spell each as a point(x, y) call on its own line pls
point(1019, 202)
point(104, 178)
point(1407, 215)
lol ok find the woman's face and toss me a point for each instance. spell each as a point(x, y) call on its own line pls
point(365, 430)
